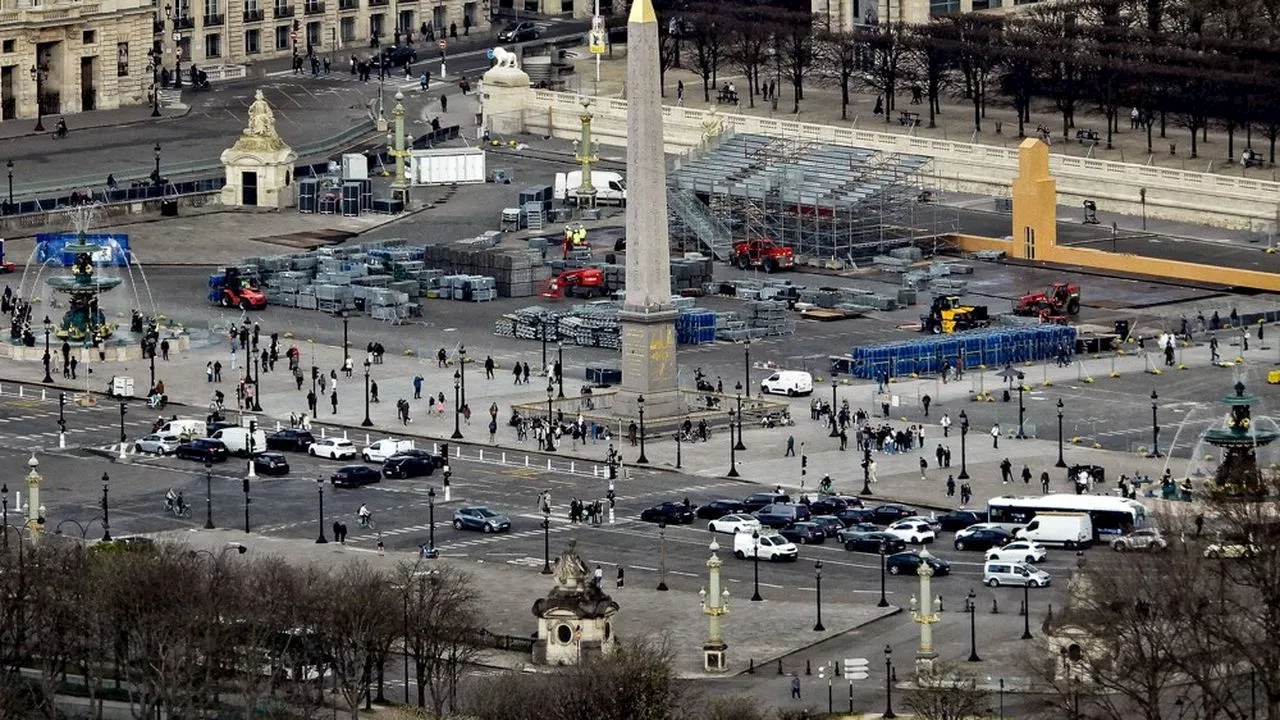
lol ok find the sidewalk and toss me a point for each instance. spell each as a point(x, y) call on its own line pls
point(759, 632)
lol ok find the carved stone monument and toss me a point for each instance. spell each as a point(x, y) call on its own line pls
point(260, 165)
point(504, 94)
point(575, 619)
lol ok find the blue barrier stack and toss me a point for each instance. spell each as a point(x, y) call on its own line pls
point(695, 326)
point(992, 347)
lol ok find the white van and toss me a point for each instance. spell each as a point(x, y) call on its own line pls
point(383, 449)
point(772, 547)
point(788, 382)
point(1070, 530)
point(1002, 572)
point(611, 189)
point(185, 429)
point(237, 440)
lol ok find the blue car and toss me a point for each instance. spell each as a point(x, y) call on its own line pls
point(480, 518)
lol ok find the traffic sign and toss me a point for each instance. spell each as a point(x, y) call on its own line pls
point(596, 41)
point(856, 668)
point(488, 54)
point(441, 43)
point(856, 676)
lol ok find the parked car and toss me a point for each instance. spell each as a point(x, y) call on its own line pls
point(672, 513)
point(157, 444)
point(979, 527)
point(480, 518)
point(890, 513)
point(874, 542)
point(203, 449)
point(270, 463)
point(779, 515)
point(929, 520)
point(803, 533)
point(858, 529)
point(380, 450)
point(770, 547)
point(960, 519)
point(856, 515)
point(1023, 550)
point(1145, 539)
point(908, 563)
point(519, 32)
point(833, 504)
point(333, 448)
point(983, 539)
point(408, 466)
point(1231, 550)
point(354, 476)
point(719, 508)
point(912, 531)
point(755, 501)
point(830, 524)
point(1003, 572)
point(734, 524)
point(292, 439)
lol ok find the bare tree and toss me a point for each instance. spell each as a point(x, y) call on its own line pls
point(948, 694)
point(970, 38)
point(886, 51)
point(358, 620)
point(440, 625)
point(707, 38)
point(749, 42)
point(931, 62)
point(794, 35)
point(836, 60)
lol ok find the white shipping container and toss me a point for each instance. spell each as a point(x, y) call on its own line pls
point(447, 167)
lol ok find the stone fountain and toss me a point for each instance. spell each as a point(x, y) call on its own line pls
point(1238, 476)
point(84, 319)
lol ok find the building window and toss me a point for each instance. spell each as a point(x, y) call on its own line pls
point(252, 42)
point(938, 8)
point(282, 37)
point(213, 45)
point(10, 45)
point(313, 34)
point(347, 29)
point(122, 59)
point(88, 37)
point(375, 25)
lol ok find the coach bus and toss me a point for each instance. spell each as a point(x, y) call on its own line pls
point(1110, 515)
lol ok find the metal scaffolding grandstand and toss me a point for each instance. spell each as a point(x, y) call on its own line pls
point(824, 201)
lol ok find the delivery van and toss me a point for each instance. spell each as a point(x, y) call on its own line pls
point(772, 547)
point(611, 188)
point(383, 449)
point(237, 440)
point(1003, 572)
point(185, 429)
point(788, 382)
point(1070, 530)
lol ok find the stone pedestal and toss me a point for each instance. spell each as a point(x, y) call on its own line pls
point(504, 95)
point(575, 619)
point(259, 166)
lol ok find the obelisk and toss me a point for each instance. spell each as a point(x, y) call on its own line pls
point(648, 316)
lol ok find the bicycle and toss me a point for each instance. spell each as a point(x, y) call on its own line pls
point(182, 511)
point(366, 522)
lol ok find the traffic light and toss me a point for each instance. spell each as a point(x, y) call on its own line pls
point(804, 461)
point(315, 372)
point(610, 495)
point(62, 401)
point(245, 485)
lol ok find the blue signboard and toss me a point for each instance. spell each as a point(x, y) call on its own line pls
point(113, 248)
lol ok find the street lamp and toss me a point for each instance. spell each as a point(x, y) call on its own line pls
point(462, 372)
point(157, 170)
point(546, 540)
point(346, 354)
point(746, 364)
point(551, 436)
point(37, 73)
point(964, 434)
point(739, 446)
point(48, 328)
point(1155, 425)
point(1061, 462)
point(106, 509)
point(560, 367)
point(1026, 611)
point(10, 165)
point(971, 607)
point(1022, 435)
point(817, 579)
point(679, 449)
point(321, 540)
point(835, 428)
point(733, 456)
point(639, 404)
point(208, 494)
point(755, 562)
point(4, 508)
point(431, 520)
point(662, 556)
point(888, 683)
point(257, 387)
point(244, 485)
point(866, 466)
point(457, 406)
point(366, 422)
point(884, 601)
point(124, 409)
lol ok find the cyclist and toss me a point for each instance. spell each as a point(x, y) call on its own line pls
point(687, 428)
point(365, 516)
point(170, 499)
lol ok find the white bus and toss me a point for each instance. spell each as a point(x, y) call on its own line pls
point(1110, 515)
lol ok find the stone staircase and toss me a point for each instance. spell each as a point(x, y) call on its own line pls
point(695, 218)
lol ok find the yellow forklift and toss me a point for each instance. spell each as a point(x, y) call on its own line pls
point(948, 315)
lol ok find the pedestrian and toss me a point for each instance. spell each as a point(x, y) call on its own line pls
point(1213, 349)
point(1199, 524)
point(208, 371)
point(297, 378)
point(74, 362)
point(946, 456)
point(333, 401)
point(844, 439)
point(1044, 482)
point(516, 372)
point(488, 367)
point(525, 370)
point(791, 446)
point(493, 431)
point(795, 687)
point(217, 371)
point(924, 465)
point(337, 531)
point(939, 454)
point(444, 103)
point(1026, 475)
point(164, 349)
point(632, 431)
point(417, 387)
point(679, 92)
point(381, 547)
point(619, 582)
point(925, 401)
point(946, 424)
point(995, 436)
point(373, 391)
point(1006, 471)
point(951, 486)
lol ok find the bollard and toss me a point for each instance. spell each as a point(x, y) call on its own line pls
point(435, 448)
point(808, 670)
point(366, 439)
point(62, 441)
point(939, 603)
point(779, 666)
point(252, 471)
point(610, 516)
point(124, 454)
point(42, 395)
point(277, 426)
point(322, 432)
point(995, 607)
point(595, 471)
point(751, 666)
point(344, 434)
point(526, 461)
point(20, 389)
point(481, 458)
point(459, 453)
point(548, 464)
point(448, 493)
point(504, 457)
point(571, 467)
point(1049, 615)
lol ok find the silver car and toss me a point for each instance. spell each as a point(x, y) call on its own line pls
point(157, 444)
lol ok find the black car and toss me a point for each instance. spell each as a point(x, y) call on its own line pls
point(270, 463)
point(890, 514)
point(874, 542)
point(960, 519)
point(396, 56)
point(203, 449)
point(519, 32)
point(717, 509)
point(908, 563)
point(407, 466)
point(803, 533)
point(355, 476)
point(672, 513)
point(984, 539)
point(854, 516)
point(856, 529)
point(830, 524)
point(290, 439)
point(755, 501)
point(833, 504)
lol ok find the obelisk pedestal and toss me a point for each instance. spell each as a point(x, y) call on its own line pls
point(648, 315)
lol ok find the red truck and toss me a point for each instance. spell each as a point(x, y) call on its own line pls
point(764, 255)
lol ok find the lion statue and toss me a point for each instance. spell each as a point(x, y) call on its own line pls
point(505, 58)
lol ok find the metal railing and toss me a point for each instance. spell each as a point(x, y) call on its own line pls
point(215, 19)
point(313, 8)
point(283, 11)
point(255, 15)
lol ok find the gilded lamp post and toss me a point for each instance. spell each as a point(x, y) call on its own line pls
point(585, 155)
point(924, 616)
point(35, 519)
point(401, 147)
point(715, 604)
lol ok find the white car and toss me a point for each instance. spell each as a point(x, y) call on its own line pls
point(966, 532)
point(159, 444)
point(734, 524)
point(1018, 550)
point(930, 521)
point(912, 531)
point(333, 448)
